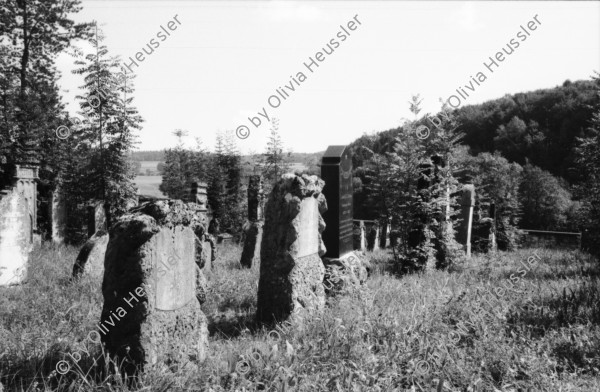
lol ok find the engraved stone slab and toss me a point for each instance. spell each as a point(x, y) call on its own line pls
point(307, 223)
point(175, 285)
point(15, 238)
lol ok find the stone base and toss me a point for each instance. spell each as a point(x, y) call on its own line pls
point(345, 274)
point(91, 256)
point(251, 251)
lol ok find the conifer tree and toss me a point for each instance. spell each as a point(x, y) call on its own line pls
point(108, 131)
point(274, 161)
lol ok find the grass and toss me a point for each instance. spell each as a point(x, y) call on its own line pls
point(148, 185)
point(438, 331)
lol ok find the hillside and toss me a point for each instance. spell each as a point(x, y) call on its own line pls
point(539, 126)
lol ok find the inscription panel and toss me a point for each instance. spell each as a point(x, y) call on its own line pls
point(174, 271)
point(308, 228)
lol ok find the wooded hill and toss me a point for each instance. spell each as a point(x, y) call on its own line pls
point(539, 126)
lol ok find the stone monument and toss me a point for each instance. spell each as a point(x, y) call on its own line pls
point(253, 228)
point(18, 224)
point(153, 286)
point(360, 236)
point(291, 270)
point(341, 263)
point(96, 217)
point(57, 216)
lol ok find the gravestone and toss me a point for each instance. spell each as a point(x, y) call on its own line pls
point(18, 223)
point(360, 236)
point(291, 270)
point(336, 171)
point(153, 287)
point(96, 217)
point(16, 238)
point(344, 269)
point(463, 231)
point(90, 259)
point(253, 228)
point(57, 216)
point(199, 196)
point(372, 228)
point(26, 176)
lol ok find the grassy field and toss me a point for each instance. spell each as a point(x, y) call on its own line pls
point(440, 331)
point(148, 185)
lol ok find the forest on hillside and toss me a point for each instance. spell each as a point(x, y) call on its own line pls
point(525, 152)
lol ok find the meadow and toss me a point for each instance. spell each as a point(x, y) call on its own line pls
point(420, 332)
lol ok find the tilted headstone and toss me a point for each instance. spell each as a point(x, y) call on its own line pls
point(153, 286)
point(91, 256)
point(291, 270)
point(344, 269)
point(254, 227)
point(96, 217)
point(463, 231)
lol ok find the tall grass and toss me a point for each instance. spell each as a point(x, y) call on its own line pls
point(437, 331)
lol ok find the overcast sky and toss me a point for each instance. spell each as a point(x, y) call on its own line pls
point(225, 60)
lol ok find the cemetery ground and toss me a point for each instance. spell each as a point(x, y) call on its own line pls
point(399, 333)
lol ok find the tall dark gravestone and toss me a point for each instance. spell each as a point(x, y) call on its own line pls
point(336, 171)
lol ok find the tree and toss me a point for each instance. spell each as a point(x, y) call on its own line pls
point(274, 161)
point(108, 130)
point(497, 182)
point(545, 203)
point(178, 170)
point(588, 165)
point(32, 32)
point(225, 191)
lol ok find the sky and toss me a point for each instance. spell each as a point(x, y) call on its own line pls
point(224, 61)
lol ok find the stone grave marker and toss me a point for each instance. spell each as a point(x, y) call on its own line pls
point(153, 285)
point(253, 228)
point(341, 263)
point(291, 271)
point(336, 171)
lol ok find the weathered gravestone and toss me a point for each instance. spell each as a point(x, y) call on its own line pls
point(254, 227)
point(58, 216)
point(344, 268)
point(291, 270)
point(153, 286)
point(200, 197)
point(373, 241)
point(18, 224)
point(359, 236)
point(463, 231)
point(16, 239)
point(91, 256)
point(96, 217)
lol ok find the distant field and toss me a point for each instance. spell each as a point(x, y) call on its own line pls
point(149, 165)
point(148, 185)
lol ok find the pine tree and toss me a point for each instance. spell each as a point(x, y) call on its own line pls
point(111, 121)
point(588, 163)
point(274, 161)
